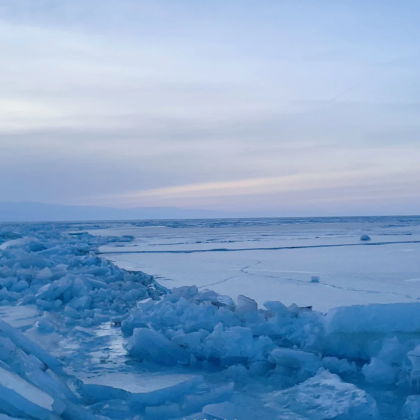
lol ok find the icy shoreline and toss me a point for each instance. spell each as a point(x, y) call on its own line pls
point(102, 342)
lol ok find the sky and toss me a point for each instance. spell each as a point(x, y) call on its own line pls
point(272, 107)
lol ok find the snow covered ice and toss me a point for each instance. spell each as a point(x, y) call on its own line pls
point(83, 338)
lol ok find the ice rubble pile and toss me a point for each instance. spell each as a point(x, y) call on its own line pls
point(34, 385)
point(310, 365)
point(58, 271)
point(375, 344)
point(203, 328)
point(192, 327)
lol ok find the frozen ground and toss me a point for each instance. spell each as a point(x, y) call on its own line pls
point(276, 258)
point(82, 338)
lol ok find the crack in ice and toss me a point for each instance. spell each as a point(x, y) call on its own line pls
point(279, 248)
point(232, 277)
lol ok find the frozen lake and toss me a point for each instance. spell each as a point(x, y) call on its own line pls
point(72, 320)
point(275, 259)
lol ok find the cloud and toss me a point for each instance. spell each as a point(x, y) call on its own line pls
point(132, 103)
point(303, 182)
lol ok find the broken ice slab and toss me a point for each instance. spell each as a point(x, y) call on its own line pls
point(246, 304)
point(52, 384)
point(152, 345)
point(295, 359)
point(20, 340)
point(374, 318)
point(145, 389)
point(357, 332)
point(21, 317)
point(20, 398)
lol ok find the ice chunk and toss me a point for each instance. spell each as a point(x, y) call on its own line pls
point(80, 288)
point(235, 345)
point(380, 372)
point(45, 304)
point(7, 348)
point(20, 286)
point(260, 368)
point(315, 279)
point(246, 304)
point(236, 373)
point(53, 290)
point(414, 356)
point(45, 327)
point(150, 390)
point(71, 312)
point(294, 309)
point(19, 397)
point(9, 296)
point(81, 303)
point(19, 316)
point(29, 347)
point(193, 342)
point(339, 366)
point(145, 304)
point(152, 345)
point(226, 301)
point(7, 282)
point(323, 397)
point(275, 308)
point(134, 294)
point(50, 383)
point(295, 360)
point(385, 368)
point(44, 274)
point(99, 318)
point(365, 238)
point(358, 331)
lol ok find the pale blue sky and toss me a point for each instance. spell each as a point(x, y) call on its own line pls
point(266, 106)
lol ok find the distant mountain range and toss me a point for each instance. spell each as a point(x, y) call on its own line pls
point(41, 212)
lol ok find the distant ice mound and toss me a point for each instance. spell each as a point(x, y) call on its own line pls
point(365, 238)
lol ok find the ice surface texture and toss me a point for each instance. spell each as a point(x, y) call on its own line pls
point(126, 348)
point(277, 259)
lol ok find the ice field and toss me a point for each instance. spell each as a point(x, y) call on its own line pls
point(275, 259)
point(211, 319)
